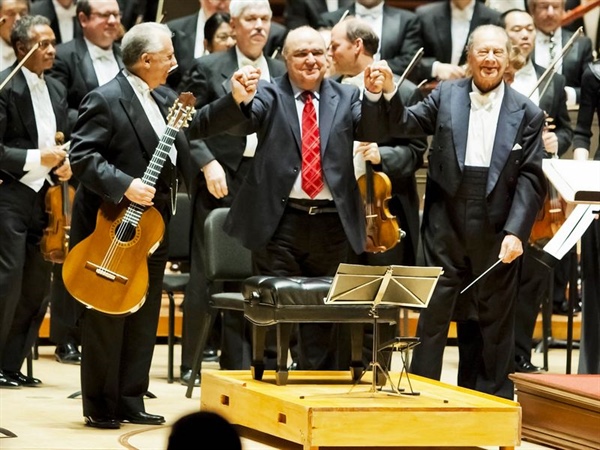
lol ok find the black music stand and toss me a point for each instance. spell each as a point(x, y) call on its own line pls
point(578, 182)
point(408, 286)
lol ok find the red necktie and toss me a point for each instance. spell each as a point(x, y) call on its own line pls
point(312, 177)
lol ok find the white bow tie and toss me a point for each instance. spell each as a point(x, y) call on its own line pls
point(249, 62)
point(461, 14)
point(37, 83)
point(368, 14)
point(479, 101)
point(100, 53)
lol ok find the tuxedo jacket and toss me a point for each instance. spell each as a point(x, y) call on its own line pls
point(18, 130)
point(588, 108)
point(436, 32)
point(261, 200)
point(400, 39)
point(516, 184)
point(554, 104)
point(46, 8)
point(575, 61)
point(113, 143)
point(307, 12)
point(74, 68)
point(184, 41)
point(209, 79)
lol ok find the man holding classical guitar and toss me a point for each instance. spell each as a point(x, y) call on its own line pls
point(123, 167)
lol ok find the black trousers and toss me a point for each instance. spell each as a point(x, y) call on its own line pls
point(458, 237)
point(309, 245)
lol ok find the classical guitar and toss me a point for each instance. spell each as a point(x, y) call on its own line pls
point(107, 271)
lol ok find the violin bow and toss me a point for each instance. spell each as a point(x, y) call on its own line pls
point(413, 62)
point(552, 67)
point(16, 69)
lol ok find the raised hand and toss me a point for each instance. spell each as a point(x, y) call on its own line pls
point(379, 77)
point(244, 83)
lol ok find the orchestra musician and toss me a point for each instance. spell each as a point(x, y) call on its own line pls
point(81, 64)
point(482, 195)
point(353, 44)
point(535, 277)
point(33, 108)
point(10, 12)
point(117, 132)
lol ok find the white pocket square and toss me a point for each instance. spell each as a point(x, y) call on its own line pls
point(516, 147)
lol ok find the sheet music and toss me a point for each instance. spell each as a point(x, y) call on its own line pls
point(571, 230)
point(576, 181)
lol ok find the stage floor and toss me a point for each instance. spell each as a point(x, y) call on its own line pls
point(324, 409)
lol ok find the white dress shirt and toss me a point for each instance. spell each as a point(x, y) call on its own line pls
point(374, 17)
point(461, 23)
point(66, 17)
point(142, 92)
point(199, 45)
point(104, 61)
point(525, 81)
point(45, 122)
point(7, 55)
point(483, 120)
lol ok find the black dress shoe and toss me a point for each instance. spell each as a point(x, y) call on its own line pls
point(210, 354)
point(185, 377)
point(143, 418)
point(523, 365)
point(22, 379)
point(8, 383)
point(67, 354)
point(104, 423)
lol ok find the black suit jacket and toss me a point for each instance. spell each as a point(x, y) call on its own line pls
point(436, 32)
point(184, 41)
point(18, 131)
point(46, 8)
point(516, 184)
point(554, 103)
point(260, 203)
point(401, 35)
point(307, 12)
point(74, 68)
point(208, 79)
point(575, 61)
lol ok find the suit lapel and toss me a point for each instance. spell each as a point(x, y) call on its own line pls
point(509, 120)
point(327, 107)
point(444, 34)
point(86, 65)
point(137, 116)
point(390, 29)
point(460, 108)
point(289, 109)
point(25, 109)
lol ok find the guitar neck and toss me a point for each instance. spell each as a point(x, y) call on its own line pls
point(134, 211)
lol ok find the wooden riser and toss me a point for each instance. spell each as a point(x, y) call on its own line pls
point(319, 409)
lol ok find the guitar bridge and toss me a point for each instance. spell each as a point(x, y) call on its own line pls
point(103, 272)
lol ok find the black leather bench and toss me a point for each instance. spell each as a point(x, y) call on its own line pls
point(283, 301)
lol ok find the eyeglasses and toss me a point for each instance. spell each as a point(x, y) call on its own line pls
point(107, 15)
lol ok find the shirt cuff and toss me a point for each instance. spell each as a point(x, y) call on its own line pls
point(33, 160)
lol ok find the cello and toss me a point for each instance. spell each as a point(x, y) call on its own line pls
point(59, 200)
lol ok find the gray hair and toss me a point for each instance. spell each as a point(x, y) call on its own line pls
point(22, 27)
point(142, 38)
point(237, 7)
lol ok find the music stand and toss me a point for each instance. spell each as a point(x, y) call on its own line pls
point(408, 286)
point(578, 182)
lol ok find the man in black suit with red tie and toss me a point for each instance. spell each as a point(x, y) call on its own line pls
point(302, 180)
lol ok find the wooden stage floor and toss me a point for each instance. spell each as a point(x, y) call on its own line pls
point(324, 409)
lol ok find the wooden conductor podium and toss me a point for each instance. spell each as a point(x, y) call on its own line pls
point(322, 409)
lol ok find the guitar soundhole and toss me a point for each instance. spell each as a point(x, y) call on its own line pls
point(125, 234)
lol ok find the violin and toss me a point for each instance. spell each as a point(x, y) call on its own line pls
point(59, 200)
point(383, 230)
point(552, 215)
